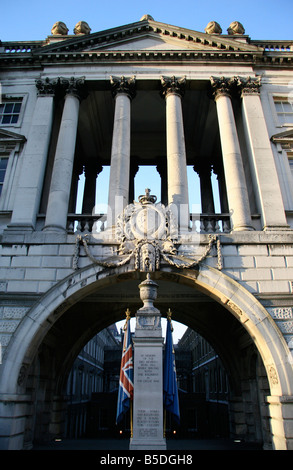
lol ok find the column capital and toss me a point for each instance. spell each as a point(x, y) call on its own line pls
point(249, 85)
point(203, 168)
point(172, 85)
point(222, 86)
point(123, 85)
point(74, 87)
point(92, 168)
point(46, 86)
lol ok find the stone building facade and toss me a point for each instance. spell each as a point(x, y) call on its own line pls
point(188, 103)
point(208, 385)
point(87, 378)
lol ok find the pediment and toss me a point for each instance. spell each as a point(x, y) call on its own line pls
point(147, 35)
point(285, 139)
point(150, 42)
point(282, 136)
point(11, 137)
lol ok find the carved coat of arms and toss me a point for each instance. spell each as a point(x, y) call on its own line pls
point(147, 231)
point(147, 228)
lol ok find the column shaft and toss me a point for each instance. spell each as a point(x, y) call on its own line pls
point(56, 216)
point(232, 161)
point(120, 154)
point(176, 153)
point(89, 194)
point(266, 182)
point(28, 196)
point(206, 189)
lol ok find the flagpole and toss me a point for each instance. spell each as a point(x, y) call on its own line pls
point(131, 403)
point(131, 420)
point(169, 315)
point(170, 389)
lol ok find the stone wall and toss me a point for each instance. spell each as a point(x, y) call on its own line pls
point(261, 262)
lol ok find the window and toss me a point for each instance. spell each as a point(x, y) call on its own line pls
point(3, 166)
point(284, 110)
point(10, 111)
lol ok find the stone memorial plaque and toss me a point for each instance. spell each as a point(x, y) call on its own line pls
point(148, 432)
point(148, 427)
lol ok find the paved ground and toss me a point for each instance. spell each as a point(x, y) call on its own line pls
point(123, 444)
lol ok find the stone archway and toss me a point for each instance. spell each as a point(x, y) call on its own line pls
point(242, 305)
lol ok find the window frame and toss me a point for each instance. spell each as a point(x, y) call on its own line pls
point(275, 97)
point(281, 100)
point(3, 157)
point(14, 98)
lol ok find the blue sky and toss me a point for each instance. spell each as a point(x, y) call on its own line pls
point(33, 20)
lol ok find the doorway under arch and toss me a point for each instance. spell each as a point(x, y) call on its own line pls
point(229, 317)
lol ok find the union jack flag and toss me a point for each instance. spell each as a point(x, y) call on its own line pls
point(125, 392)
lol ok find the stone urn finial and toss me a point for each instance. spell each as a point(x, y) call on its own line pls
point(146, 17)
point(148, 293)
point(82, 28)
point(59, 28)
point(213, 28)
point(236, 28)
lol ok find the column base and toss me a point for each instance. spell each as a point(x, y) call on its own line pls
point(19, 228)
point(54, 228)
point(277, 228)
point(141, 444)
point(243, 228)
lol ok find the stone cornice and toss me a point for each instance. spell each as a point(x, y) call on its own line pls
point(131, 56)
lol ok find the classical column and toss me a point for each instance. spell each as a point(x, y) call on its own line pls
point(266, 182)
point(206, 189)
point(218, 170)
point(123, 90)
point(232, 159)
point(91, 171)
point(162, 170)
point(172, 90)
point(133, 171)
point(56, 216)
point(28, 196)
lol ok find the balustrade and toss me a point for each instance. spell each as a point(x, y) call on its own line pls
point(201, 223)
point(86, 223)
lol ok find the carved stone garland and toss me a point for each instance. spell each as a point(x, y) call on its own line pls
point(147, 232)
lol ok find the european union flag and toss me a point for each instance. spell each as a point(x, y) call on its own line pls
point(170, 391)
point(125, 392)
